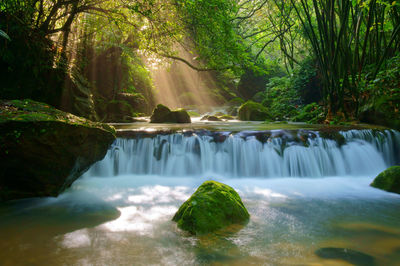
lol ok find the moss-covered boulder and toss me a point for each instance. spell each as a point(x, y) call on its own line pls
point(162, 114)
point(388, 180)
point(252, 111)
point(212, 207)
point(43, 150)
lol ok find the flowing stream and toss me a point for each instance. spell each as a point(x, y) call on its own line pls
point(304, 190)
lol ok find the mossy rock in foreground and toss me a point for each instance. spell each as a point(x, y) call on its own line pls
point(252, 111)
point(388, 180)
point(212, 207)
point(162, 114)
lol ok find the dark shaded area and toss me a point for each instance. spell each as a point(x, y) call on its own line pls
point(380, 117)
point(27, 67)
point(251, 83)
point(351, 256)
point(307, 82)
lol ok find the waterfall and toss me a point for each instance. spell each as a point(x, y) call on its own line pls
point(252, 154)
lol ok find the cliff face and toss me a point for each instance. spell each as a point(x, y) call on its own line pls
point(44, 150)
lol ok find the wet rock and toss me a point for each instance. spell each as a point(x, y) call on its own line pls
point(44, 150)
point(252, 111)
point(212, 207)
point(388, 180)
point(351, 256)
point(226, 117)
point(162, 114)
point(210, 118)
point(219, 114)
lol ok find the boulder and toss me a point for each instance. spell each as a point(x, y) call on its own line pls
point(226, 117)
point(210, 118)
point(252, 111)
point(388, 180)
point(162, 114)
point(212, 207)
point(44, 150)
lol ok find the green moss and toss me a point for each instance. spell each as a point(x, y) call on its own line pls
point(32, 111)
point(252, 111)
point(226, 117)
point(212, 207)
point(388, 180)
point(193, 114)
point(55, 148)
point(236, 101)
point(181, 116)
point(210, 118)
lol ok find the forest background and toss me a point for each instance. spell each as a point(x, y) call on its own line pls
point(329, 61)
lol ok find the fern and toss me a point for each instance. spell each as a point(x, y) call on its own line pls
point(4, 35)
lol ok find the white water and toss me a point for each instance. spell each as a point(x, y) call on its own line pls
point(364, 153)
point(125, 218)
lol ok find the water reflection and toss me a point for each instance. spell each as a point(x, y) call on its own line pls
point(127, 219)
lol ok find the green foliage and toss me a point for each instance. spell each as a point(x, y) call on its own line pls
point(136, 78)
point(212, 207)
point(213, 33)
point(4, 35)
point(346, 37)
point(281, 99)
point(253, 81)
point(384, 91)
point(380, 97)
point(306, 82)
point(311, 113)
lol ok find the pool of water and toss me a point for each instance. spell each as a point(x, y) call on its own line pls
point(126, 220)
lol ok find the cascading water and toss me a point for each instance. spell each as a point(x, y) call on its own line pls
point(120, 212)
point(252, 154)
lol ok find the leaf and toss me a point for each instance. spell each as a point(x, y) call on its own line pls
point(4, 35)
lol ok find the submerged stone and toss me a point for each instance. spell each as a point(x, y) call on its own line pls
point(212, 207)
point(351, 256)
point(162, 114)
point(44, 150)
point(388, 180)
